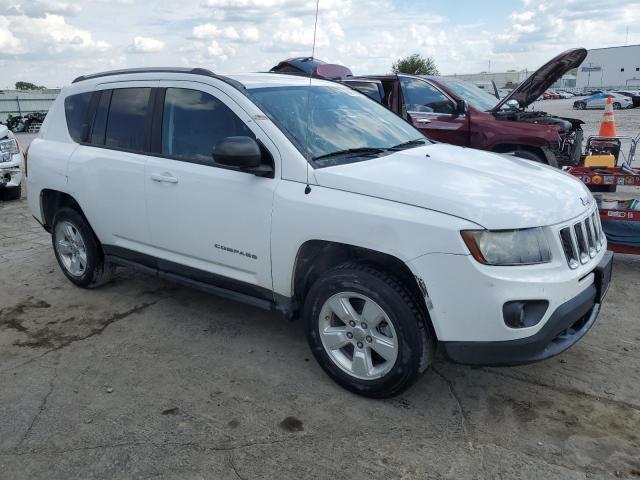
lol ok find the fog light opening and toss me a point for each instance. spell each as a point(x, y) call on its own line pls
point(524, 313)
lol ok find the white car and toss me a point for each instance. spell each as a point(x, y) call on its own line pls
point(10, 163)
point(312, 200)
point(599, 100)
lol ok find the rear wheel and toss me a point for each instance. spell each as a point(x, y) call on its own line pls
point(13, 193)
point(78, 251)
point(367, 331)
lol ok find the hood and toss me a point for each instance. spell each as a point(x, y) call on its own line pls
point(494, 191)
point(4, 131)
point(539, 81)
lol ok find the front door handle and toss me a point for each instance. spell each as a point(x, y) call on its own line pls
point(163, 177)
point(423, 120)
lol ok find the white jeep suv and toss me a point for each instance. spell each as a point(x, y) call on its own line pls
point(308, 198)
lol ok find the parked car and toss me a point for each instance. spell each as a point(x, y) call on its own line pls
point(634, 95)
point(563, 94)
point(316, 202)
point(549, 95)
point(454, 111)
point(309, 66)
point(599, 100)
point(10, 164)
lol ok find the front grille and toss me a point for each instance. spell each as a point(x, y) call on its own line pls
point(582, 241)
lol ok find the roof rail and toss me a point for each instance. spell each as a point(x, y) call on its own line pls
point(194, 71)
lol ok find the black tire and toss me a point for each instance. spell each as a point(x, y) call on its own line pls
point(416, 346)
point(580, 105)
point(97, 272)
point(12, 193)
point(528, 155)
point(616, 106)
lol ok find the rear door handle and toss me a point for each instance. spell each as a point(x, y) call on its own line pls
point(163, 177)
point(423, 120)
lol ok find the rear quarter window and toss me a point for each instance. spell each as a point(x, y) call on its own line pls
point(75, 109)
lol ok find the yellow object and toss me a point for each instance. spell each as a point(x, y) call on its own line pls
point(607, 160)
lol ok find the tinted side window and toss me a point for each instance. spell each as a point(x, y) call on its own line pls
point(421, 97)
point(126, 121)
point(75, 109)
point(193, 122)
point(100, 119)
point(370, 89)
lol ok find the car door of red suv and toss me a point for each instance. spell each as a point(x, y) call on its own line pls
point(433, 112)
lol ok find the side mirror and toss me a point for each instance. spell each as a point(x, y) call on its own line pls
point(461, 107)
point(513, 104)
point(239, 152)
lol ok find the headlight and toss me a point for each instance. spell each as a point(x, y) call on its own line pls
point(8, 148)
point(508, 247)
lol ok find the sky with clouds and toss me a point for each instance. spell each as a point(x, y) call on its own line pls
point(50, 42)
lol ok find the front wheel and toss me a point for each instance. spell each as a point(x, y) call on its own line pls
point(367, 331)
point(580, 105)
point(617, 106)
point(78, 250)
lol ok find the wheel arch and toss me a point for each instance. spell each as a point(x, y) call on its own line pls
point(53, 200)
point(540, 152)
point(315, 257)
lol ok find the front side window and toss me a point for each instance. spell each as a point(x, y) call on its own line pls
point(75, 109)
point(193, 122)
point(325, 119)
point(420, 97)
point(474, 96)
point(126, 121)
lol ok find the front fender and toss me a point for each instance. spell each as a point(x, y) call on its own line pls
point(399, 230)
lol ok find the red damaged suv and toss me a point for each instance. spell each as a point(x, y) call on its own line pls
point(455, 111)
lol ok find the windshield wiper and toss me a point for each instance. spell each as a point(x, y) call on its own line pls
point(410, 144)
point(352, 152)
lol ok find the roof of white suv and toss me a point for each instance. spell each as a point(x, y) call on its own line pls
point(248, 80)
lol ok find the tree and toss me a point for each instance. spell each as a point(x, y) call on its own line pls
point(415, 64)
point(28, 86)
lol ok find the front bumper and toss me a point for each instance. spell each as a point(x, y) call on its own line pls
point(564, 328)
point(10, 173)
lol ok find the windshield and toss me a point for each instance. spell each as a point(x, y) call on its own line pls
point(335, 123)
point(474, 96)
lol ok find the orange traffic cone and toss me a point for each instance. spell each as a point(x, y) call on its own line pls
point(608, 124)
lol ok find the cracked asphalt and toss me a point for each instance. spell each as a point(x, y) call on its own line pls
point(144, 379)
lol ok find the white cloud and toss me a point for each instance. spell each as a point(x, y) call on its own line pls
point(8, 42)
point(230, 33)
point(146, 45)
point(38, 8)
point(52, 35)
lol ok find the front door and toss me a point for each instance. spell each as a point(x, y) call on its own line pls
point(208, 222)
point(432, 112)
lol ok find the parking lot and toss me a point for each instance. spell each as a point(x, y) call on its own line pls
point(145, 379)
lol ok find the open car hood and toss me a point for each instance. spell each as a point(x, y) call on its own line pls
point(539, 81)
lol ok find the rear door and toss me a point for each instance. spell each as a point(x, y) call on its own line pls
point(433, 112)
point(107, 171)
point(208, 222)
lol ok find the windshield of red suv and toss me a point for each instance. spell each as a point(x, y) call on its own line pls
point(474, 96)
point(334, 125)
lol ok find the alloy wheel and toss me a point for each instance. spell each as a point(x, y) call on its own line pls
point(71, 248)
point(358, 335)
